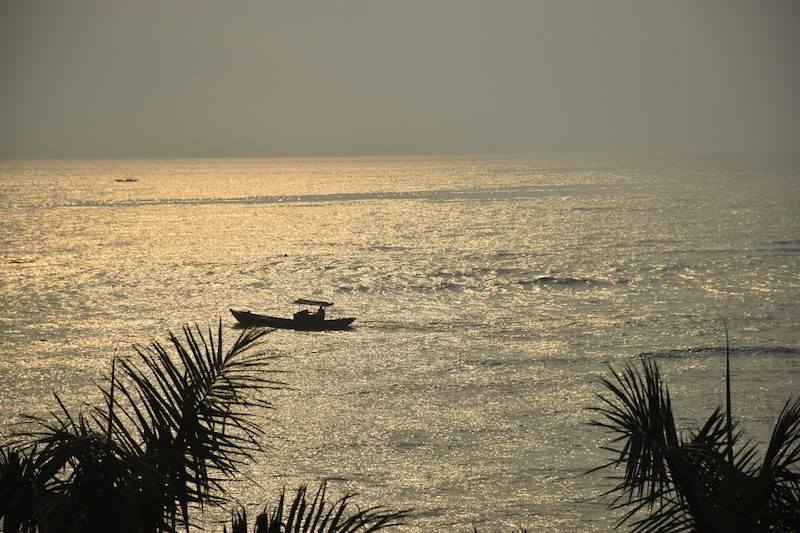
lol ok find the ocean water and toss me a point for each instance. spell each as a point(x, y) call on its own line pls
point(491, 294)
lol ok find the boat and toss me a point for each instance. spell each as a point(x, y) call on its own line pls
point(304, 320)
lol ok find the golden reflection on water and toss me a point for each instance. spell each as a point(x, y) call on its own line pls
point(488, 304)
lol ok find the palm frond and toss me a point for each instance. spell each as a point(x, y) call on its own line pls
point(671, 482)
point(639, 415)
point(170, 430)
point(194, 415)
point(84, 481)
point(710, 482)
point(318, 515)
point(783, 451)
point(781, 467)
point(23, 492)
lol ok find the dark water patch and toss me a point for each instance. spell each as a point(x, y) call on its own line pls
point(717, 351)
point(773, 252)
point(504, 254)
point(436, 286)
point(347, 289)
point(779, 246)
point(504, 271)
point(484, 363)
point(593, 209)
point(658, 242)
point(544, 281)
point(441, 195)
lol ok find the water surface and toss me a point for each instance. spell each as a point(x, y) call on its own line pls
point(491, 294)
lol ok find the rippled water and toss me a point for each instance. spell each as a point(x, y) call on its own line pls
point(491, 295)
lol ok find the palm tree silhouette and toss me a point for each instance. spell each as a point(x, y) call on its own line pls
point(710, 481)
point(318, 515)
point(170, 430)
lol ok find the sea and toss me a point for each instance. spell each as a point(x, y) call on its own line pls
point(492, 296)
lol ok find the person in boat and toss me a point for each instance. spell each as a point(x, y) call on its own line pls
point(320, 314)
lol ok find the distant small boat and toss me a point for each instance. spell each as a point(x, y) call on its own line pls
point(126, 180)
point(302, 320)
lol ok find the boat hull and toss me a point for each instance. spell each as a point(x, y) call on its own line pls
point(250, 320)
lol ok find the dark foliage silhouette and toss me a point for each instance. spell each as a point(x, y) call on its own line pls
point(170, 431)
point(318, 515)
point(708, 481)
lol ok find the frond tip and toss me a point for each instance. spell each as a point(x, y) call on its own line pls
point(196, 412)
point(699, 484)
point(319, 515)
point(174, 422)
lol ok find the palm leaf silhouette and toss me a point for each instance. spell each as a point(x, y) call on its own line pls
point(318, 515)
point(171, 429)
point(709, 481)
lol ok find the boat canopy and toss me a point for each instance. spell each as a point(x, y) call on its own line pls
point(315, 303)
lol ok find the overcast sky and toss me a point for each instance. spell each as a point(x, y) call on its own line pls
point(117, 78)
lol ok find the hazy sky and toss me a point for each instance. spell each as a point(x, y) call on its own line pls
point(111, 78)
